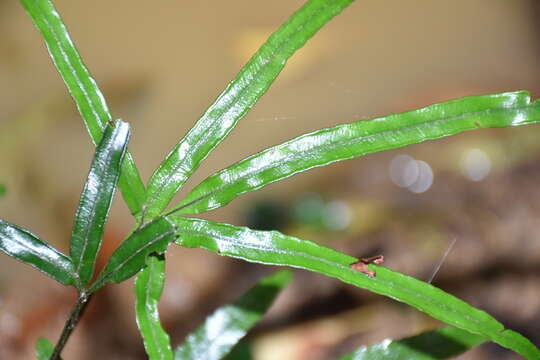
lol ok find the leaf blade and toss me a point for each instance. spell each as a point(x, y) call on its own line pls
point(44, 349)
point(236, 100)
point(96, 200)
point(347, 141)
point(148, 289)
point(226, 326)
point(131, 255)
point(274, 248)
point(441, 343)
point(84, 90)
point(28, 248)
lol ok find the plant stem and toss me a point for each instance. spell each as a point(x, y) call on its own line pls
point(71, 323)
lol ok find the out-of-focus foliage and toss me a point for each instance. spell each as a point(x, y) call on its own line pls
point(44, 349)
point(437, 344)
point(223, 329)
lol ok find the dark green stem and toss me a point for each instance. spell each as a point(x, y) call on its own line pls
point(71, 323)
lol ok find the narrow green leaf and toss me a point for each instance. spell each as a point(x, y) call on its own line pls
point(236, 100)
point(224, 328)
point(347, 141)
point(274, 248)
point(148, 289)
point(83, 89)
point(131, 255)
point(96, 200)
point(2, 190)
point(44, 349)
point(442, 343)
point(26, 247)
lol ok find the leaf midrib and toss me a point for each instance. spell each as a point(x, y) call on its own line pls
point(234, 242)
point(53, 260)
point(101, 185)
point(301, 154)
point(153, 304)
point(255, 79)
point(67, 60)
point(121, 264)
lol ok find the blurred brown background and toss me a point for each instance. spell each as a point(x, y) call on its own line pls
point(160, 64)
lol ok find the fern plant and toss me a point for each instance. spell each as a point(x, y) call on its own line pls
point(159, 225)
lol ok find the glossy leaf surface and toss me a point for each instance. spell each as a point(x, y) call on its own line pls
point(347, 141)
point(96, 200)
point(224, 328)
point(83, 89)
point(443, 343)
point(44, 349)
point(148, 288)
point(236, 100)
point(26, 247)
point(274, 248)
point(130, 257)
